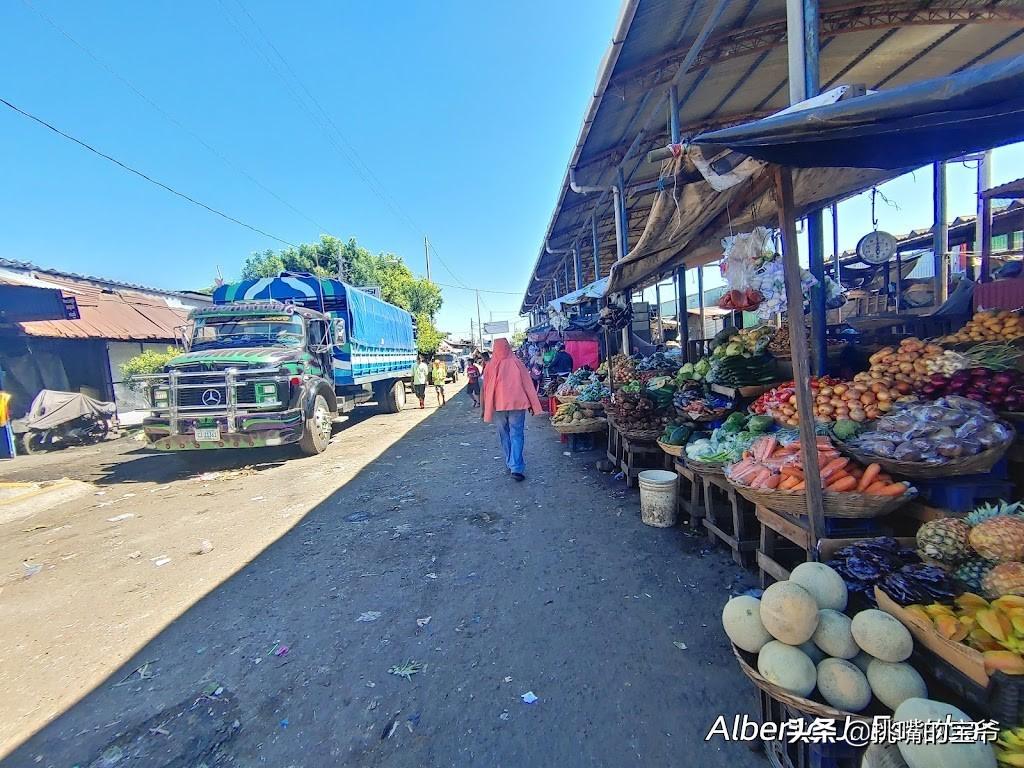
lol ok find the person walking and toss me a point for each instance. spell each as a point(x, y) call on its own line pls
point(438, 377)
point(419, 379)
point(473, 373)
point(508, 395)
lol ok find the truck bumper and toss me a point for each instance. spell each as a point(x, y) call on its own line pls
point(253, 430)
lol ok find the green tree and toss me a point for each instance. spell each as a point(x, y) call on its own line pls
point(149, 361)
point(518, 339)
point(398, 284)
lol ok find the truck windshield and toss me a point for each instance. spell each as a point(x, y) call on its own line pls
point(278, 331)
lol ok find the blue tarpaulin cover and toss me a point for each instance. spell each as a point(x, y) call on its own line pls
point(371, 321)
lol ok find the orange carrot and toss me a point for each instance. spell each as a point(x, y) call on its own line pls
point(895, 489)
point(833, 466)
point(792, 471)
point(847, 483)
point(835, 477)
point(772, 481)
point(871, 472)
point(789, 483)
point(800, 486)
point(876, 487)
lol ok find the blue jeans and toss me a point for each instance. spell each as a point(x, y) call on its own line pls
point(511, 432)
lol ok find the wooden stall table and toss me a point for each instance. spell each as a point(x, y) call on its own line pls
point(729, 518)
point(614, 451)
point(691, 499)
point(638, 455)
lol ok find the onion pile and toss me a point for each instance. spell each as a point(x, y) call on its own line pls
point(908, 363)
point(1001, 390)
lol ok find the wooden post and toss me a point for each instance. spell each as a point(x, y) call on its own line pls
point(801, 356)
point(986, 240)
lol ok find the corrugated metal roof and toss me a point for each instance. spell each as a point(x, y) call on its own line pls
point(1005, 191)
point(738, 74)
point(27, 266)
point(108, 314)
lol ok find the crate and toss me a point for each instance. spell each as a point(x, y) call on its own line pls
point(965, 492)
point(1002, 700)
point(579, 443)
point(802, 754)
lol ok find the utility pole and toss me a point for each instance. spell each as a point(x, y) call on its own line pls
point(426, 255)
point(472, 331)
point(480, 326)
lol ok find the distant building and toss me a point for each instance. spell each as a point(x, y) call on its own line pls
point(117, 321)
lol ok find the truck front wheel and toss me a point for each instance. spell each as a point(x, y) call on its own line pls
point(316, 433)
point(391, 396)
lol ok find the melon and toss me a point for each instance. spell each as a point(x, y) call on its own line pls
point(833, 635)
point(974, 755)
point(893, 684)
point(862, 660)
point(882, 756)
point(881, 635)
point(787, 667)
point(789, 612)
point(825, 585)
point(813, 652)
point(843, 686)
point(741, 618)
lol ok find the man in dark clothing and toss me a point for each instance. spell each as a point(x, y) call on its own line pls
point(562, 364)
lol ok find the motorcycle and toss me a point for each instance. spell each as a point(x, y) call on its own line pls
point(59, 419)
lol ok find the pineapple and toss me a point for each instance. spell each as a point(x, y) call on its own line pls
point(1004, 579)
point(988, 511)
point(1000, 539)
point(944, 541)
point(971, 572)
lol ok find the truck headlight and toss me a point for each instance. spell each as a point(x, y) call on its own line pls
point(161, 397)
point(266, 391)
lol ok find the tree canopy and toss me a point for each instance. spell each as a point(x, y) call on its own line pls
point(398, 284)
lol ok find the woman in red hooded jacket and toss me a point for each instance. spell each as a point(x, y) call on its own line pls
point(508, 394)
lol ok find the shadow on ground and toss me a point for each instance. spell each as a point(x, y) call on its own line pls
point(433, 563)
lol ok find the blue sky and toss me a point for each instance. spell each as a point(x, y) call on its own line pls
point(461, 114)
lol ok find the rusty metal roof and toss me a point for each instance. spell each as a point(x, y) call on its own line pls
point(122, 315)
point(1007, 191)
point(736, 73)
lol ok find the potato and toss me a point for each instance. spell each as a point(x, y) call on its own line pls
point(839, 389)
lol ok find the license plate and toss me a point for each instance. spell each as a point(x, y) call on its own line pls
point(208, 434)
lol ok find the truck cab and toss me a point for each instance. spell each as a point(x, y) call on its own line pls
point(262, 368)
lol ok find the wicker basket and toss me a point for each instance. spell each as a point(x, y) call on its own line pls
point(565, 399)
point(849, 505)
point(706, 468)
point(591, 405)
point(707, 418)
point(581, 427)
point(807, 706)
point(977, 464)
point(672, 450)
point(640, 435)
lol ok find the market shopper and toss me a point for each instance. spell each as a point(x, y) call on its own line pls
point(420, 372)
point(508, 395)
point(438, 377)
point(473, 374)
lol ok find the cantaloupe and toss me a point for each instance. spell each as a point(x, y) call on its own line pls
point(934, 755)
point(882, 756)
point(881, 635)
point(893, 684)
point(814, 653)
point(741, 618)
point(788, 667)
point(833, 635)
point(789, 612)
point(843, 685)
point(825, 585)
point(862, 660)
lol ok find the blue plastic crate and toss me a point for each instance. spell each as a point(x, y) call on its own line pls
point(965, 492)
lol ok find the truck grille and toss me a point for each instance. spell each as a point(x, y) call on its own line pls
point(194, 397)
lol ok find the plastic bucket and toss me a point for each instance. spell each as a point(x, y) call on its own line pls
point(658, 497)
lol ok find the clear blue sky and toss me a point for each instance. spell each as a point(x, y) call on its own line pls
point(464, 112)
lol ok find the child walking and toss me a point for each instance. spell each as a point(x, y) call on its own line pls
point(438, 377)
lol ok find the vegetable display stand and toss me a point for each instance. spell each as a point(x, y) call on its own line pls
point(730, 518)
point(614, 451)
point(579, 442)
point(691, 492)
point(803, 754)
point(638, 455)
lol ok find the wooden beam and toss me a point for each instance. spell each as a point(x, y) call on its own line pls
point(801, 357)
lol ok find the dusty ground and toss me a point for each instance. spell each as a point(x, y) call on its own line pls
point(254, 653)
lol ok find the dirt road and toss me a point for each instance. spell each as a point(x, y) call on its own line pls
point(404, 542)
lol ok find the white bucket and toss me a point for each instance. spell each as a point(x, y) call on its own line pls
point(658, 497)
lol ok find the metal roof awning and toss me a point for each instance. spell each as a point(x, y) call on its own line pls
point(726, 62)
point(1008, 191)
point(19, 303)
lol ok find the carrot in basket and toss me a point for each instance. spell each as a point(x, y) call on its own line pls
point(757, 481)
point(876, 487)
point(801, 486)
point(871, 473)
point(833, 466)
point(789, 483)
point(791, 470)
point(894, 489)
point(772, 482)
point(844, 484)
point(835, 478)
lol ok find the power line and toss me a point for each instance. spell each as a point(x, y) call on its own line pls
point(142, 175)
point(482, 290)
point(169, 117)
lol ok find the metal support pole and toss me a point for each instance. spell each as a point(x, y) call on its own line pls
point(577, 265)
point(657, 302)
point(682, 316)
point(983, 227)
point(673, 113)
point(835, 241)
point(623, 214)
point(986, 239)
point(479, 325)
point(940, 235)
point(426, 255)
point(700, 301)
point(595, 243)
point(816, 266)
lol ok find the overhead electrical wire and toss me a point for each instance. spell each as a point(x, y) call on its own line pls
point(169, 117)
point(142, 175)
